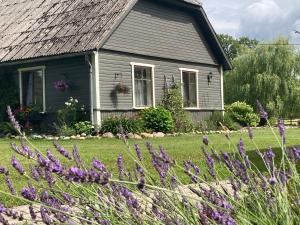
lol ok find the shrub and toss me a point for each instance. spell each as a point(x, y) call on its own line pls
point(65, 130)
point(84, 127)
point(243, 114)
point(157, 119)
point(172, 101)
point(117, 125)
point(6, 128)
point(215, 122)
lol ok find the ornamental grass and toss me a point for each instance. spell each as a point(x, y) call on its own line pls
point(88, 193)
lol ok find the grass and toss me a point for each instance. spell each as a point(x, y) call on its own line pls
point(179, 148)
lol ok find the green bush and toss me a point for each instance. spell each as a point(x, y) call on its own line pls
point(83, 127)
point(216, 121)
point(157, 119)
point(117, 125)
point(7, 128)
point(172, 101)
point(65, 130)
point(243, 114)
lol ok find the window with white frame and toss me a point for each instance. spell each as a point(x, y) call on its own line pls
point(32, 87)
point(143, 85)
point(189, 80)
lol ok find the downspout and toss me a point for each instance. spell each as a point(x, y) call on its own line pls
point(222, 89)
point(88, 60)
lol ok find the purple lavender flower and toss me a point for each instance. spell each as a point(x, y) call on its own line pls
point(34, 173)
point(281, 129)
point(49, 177)
point(120, 165)
point(250, 132)
point(27, 151)
point(76, 156)
point(10, 185)
point(2, 208)
point(45, 216)
point(31, 212)
point(75, 174)
point(68, 198)
point(62, 150)
point(3, 170)
point(138, 152)
point(272, 181)
point(13, 120)
point(98, 165)
point(262, 112)
point(17, 165)
point(205, 140)
point(210, 163)
point(29, 193)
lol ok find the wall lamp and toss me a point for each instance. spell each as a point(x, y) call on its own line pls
point(209, 77)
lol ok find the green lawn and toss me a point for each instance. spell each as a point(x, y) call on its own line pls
point(179, 148)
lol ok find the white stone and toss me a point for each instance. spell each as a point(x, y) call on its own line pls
point(133, 136)
point(73, 137)
point(146, 135)
point(83, 135)
point(66, 138)
point(108, 135)
point(158, 135)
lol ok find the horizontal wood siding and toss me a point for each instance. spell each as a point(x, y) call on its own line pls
point(111, 63)
point(155, 29)
point(74, 70)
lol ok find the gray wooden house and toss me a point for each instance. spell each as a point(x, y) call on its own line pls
point(117, 56)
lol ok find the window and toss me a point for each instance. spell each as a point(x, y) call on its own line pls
point(32, 87)
point(143, 85)
point(189, 80)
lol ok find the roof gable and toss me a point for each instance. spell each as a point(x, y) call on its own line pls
point(37, 28)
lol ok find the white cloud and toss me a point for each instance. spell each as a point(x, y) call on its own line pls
point(261, 19)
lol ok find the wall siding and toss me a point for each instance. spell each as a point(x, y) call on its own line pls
point(111, 63)
point(74, 70)
point(158, 30)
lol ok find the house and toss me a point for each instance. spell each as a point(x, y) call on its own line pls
point(116, 56)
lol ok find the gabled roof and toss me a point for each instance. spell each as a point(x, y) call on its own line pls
point(37, 28)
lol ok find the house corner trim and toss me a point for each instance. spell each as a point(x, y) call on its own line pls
point(96, 89)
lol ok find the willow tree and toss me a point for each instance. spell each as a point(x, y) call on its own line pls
point(269, 73)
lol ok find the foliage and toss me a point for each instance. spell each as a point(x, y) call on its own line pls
point(72, 112)
point(233, 47)
point(83, 127)
point(173, 102)
point(122, 124)
point(157, 119)
point(65, 130)
point(6, 128)
point(243, 114)
point(69, 190)
point(9, 94)
point(269, 73)
point(217, 122)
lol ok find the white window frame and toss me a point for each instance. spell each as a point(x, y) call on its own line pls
point(21, 70)
point(197, 86)
point(133, 64)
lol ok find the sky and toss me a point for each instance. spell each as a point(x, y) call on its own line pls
point(261, 19)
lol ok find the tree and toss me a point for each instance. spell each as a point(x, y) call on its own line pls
point(233, 47)
point(269, 73)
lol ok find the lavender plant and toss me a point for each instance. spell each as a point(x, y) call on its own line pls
point(88, 193)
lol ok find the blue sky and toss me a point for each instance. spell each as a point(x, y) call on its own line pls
point(260, 19)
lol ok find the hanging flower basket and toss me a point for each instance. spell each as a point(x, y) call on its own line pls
point(61, 85)
point(122, 89)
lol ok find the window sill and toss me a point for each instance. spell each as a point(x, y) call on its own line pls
point(142, 107)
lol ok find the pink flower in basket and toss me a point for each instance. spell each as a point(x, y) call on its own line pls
point(61, 85)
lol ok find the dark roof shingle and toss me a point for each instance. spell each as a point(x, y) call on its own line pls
point(36, 28)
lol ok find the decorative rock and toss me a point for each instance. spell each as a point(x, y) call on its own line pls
point(56, 138)
point(158, 135)
point(146, 135)
point(83, 135)
point(81, 138)
point(78, 136)
point(73, 137)
point(133, 136)
point(66, 138)
point(50, 138)
point(108, 135)
point(89, 136)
